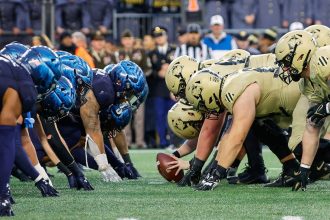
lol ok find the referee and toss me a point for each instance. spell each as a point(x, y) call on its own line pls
point(194, 47)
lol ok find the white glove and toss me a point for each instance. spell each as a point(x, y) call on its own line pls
point(108, 173)
point(42, 173)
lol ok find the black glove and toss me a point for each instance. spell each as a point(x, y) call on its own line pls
point(193, 176)
point(317, 113)
point(82, 183)
point(72, 181)
point(133, 169)
point(5, 208)
point(46, 189)
point(301, 179)
point(125, 172)
point(212, 179)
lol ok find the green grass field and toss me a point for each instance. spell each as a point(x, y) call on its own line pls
point(151, 197)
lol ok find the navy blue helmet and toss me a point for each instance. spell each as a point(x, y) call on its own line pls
point(116, 117)
point(60, 101)
point(45, 68)
point(14, 50)
point(127, 77)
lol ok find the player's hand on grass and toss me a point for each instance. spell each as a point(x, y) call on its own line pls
point(178, 164)
point(82, 183)
point(45, 188)
point(301, 179)
point(191, 178)
point(109, 174)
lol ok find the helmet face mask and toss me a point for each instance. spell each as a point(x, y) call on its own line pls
point(293, 53)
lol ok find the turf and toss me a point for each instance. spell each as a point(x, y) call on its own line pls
point(151, 197)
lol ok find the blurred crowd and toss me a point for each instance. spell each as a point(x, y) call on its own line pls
point(83, 28)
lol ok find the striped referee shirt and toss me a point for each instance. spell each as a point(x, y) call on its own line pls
point(200, 52)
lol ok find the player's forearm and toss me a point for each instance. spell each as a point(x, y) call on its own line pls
point(310, 144)
point(187, 147)
point(207, 138)
point(28, 147)
point(97, 138)
point(121, 143)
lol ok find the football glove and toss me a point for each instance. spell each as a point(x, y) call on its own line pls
point(109, 174)
point(191, 178)
point(45, 188)
point(317, 113)
point(125, 172)
point(131, 167)
point(5, 208)
point(82, 183)
point(210, 181)
point(72, 181)
point(301, 179)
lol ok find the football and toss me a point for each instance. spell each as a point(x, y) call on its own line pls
point(162, 160)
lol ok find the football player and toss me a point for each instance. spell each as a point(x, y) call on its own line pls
point(24, 82)
point(299, 55)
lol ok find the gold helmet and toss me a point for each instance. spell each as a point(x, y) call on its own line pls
point(231, 62)
point(184, 120)
point(179, 72)
point(321, 34)
point(210, 62)
point(203, 91)
point(294, 51)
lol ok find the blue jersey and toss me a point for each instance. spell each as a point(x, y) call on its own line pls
point(71, 127)
point(13, 75)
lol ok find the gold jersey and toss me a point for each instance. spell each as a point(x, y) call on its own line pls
point(253, 61)
point(316, 88)
point(277, 99)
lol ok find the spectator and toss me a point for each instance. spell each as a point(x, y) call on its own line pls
point(296, 26)
point(101, 12)
point(35, 13)
point(267, 40)
point(100, 56)
point(216, 7)
point(321, 12)
point(79, 39)
point(159, 95)
point(297, 10)
point(163, 8)
point(138, 56)
point(244, 13)
point(38, 40)
point(254, 41)
point(218, 40)
point(66, 43)
point(269, 13)
point(182, 37)
point(72, 15)
point(148, 43)
point(244, 44)
point(14, 19)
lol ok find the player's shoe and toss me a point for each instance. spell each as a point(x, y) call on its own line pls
point(5, 207)
point(285, 179)
point(321, 171)
point(253, 176)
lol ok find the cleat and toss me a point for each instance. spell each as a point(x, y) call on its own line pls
point(320, 172)
point(253, 176)
point(285, 179)
point(5, 208)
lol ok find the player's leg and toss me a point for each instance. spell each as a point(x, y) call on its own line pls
point(270, 134)
point(10, 111)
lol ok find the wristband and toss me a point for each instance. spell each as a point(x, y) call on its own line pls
point(305, 166)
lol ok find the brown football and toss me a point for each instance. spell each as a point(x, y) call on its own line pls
point(162, 160)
